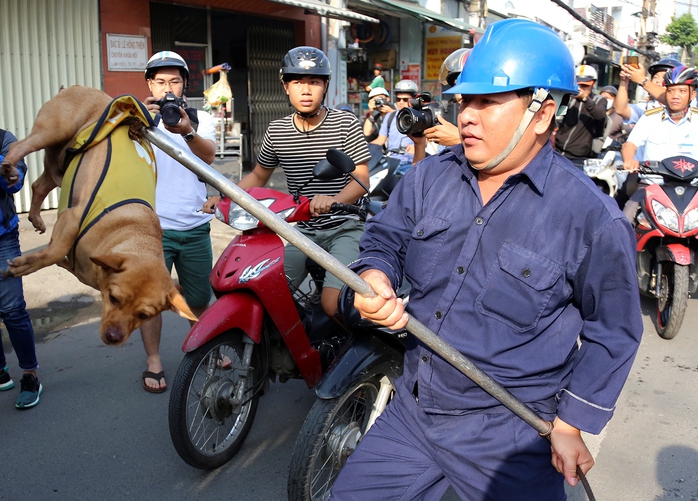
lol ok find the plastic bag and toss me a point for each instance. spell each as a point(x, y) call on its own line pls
point(219, 93)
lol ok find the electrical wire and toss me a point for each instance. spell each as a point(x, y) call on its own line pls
point(614, 41)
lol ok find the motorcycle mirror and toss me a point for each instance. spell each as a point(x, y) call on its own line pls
point(340, 160)
point(343, 162)
point(325, 170)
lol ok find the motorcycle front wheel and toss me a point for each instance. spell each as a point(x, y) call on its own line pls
point(329, 435)
point(672, 300)
point(206, 426)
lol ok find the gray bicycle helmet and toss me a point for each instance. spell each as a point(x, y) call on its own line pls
point(663, 64)
point(406, 87)
point(452, 66)
point(166, 59)
point(305, 61)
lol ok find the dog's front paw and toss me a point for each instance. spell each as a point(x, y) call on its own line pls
point(22, 265)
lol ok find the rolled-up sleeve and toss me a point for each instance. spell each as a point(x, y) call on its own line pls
point(607, 292)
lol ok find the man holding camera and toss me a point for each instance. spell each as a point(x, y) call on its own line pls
point(398, 145)
point(378, 107)
point(585, 118)
point(181, 201)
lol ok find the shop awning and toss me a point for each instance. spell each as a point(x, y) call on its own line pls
point(322, 9)
point(417, 11)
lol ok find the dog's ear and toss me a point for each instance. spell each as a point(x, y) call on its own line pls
point(179, 305)
point(110, 262)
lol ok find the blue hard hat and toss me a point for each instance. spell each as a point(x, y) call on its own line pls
point(517, 54)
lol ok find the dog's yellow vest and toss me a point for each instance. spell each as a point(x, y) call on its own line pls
point(129, 173)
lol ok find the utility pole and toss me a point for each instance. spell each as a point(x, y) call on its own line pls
point(477, 13)
point(647, 37)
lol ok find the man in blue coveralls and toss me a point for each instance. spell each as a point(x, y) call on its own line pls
point(518, 261)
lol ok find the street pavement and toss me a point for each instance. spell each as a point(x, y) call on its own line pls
point(96, 435)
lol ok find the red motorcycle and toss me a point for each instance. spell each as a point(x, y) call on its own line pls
point(257, 331)
point(666, 228)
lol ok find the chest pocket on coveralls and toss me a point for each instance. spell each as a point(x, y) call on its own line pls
point(423, 252)
point(518, 287)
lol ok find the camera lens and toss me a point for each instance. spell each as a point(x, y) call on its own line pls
point(169, 109)
point(170, 114)
point(410, 121)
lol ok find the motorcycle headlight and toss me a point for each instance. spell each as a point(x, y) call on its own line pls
point(242, 220)
point(665, 216)
point(690, 220)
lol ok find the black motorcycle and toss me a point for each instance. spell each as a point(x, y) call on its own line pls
point(351, 395)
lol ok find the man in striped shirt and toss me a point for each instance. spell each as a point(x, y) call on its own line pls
point(298, 142)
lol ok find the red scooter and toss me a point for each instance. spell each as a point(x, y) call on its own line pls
point(256, 331)
point(666, 229)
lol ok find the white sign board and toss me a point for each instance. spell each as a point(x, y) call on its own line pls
point(127, 52)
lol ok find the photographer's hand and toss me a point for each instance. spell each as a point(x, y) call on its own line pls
point(152, 104)
point(210, 204)
point(444, 134)
point(184, 125)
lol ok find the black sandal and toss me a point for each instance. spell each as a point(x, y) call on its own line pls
point(158, 377)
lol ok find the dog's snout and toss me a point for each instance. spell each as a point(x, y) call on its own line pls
point(113, 336)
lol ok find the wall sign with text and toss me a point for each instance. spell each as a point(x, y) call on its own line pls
point(127, 52)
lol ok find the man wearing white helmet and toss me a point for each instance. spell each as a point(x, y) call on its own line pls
point(398, 145)
point(181, 201)
point(520, 263)
point(378, 108)
point(585, 118)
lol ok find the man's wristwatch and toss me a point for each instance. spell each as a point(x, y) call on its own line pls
point(190, 136)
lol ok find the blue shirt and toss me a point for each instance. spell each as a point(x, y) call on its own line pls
point(513, 285)
point(9, 207)
point(396, 140)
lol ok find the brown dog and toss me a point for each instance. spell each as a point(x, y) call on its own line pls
point(121, 253)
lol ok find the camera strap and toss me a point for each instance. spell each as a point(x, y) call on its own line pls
point(391, 117)
point(193, 118)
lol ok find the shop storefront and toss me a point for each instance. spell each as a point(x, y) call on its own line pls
point(106, 43)
point(251, 37)
point(410, 42)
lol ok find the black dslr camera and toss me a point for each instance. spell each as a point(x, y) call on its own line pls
point(380, 102)
point(422, 115)
point(169, 108)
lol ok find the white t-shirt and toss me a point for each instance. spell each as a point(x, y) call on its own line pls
point(179, 194)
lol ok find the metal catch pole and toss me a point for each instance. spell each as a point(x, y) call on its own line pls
point(334, 266)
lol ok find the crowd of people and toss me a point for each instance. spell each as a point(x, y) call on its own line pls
point(464, 227)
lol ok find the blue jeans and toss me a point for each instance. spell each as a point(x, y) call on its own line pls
point(13, 309)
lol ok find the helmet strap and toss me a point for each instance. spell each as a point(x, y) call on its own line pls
point(312, 113)
point(539, 96)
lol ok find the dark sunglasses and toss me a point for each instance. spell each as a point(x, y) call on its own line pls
point(403, 99)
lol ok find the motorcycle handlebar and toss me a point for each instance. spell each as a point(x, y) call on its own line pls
point(351, 209)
